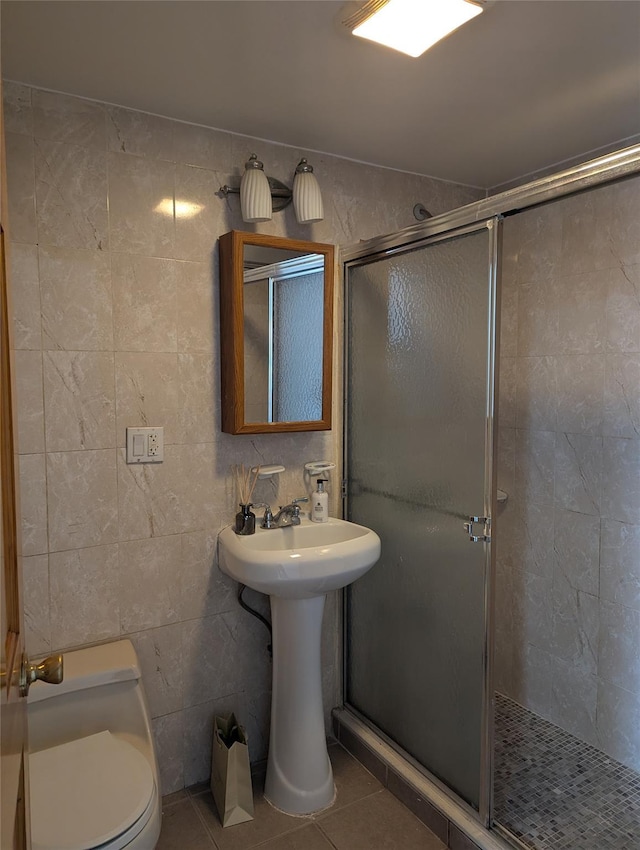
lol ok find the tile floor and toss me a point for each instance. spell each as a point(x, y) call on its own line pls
point(365, 816)
point(554, 792)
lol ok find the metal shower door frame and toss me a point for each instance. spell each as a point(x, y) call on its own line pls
point(368, 255)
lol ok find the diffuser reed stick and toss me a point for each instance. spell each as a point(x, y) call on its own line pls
point(245, 482)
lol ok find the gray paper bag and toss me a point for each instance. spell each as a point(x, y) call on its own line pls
point(231, 772)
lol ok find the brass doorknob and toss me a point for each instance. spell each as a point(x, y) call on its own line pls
point(50, 670)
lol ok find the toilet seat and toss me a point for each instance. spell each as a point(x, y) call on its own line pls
point(89, 792)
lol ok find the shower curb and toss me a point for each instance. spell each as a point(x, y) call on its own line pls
point(453, 825)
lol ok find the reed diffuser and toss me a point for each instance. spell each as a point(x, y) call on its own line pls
point(245, 518)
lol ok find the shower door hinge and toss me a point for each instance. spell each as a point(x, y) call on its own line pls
point(343, 488)
point(478, 538)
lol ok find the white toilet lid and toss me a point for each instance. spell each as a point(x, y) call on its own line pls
point(87, 792)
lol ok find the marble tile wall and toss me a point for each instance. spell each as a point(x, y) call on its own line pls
point(116, 324)
point(569, 536)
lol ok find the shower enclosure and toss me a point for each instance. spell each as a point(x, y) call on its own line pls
point(493, 645)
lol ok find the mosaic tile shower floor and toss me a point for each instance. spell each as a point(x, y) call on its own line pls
point(554, 792)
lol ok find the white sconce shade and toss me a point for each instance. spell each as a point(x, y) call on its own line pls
point(255, 194)
point(307, 199)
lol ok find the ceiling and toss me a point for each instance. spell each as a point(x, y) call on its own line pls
point(524, 86)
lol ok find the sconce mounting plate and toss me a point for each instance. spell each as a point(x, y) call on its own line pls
point(281, 195)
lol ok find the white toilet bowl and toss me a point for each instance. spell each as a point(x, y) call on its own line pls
point(93, 771)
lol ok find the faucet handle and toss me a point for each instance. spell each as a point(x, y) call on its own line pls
point(267, 519)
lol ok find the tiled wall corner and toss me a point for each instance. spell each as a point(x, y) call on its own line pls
point(567, 539)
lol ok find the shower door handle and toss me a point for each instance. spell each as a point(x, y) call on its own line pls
point(478, 538)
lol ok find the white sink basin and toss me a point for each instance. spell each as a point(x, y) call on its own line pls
point(297, 566)
point(300, 561)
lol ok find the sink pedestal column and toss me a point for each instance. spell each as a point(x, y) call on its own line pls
point(299, 777)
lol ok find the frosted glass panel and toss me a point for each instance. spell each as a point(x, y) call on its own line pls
point(416, 407)
point(297, 348)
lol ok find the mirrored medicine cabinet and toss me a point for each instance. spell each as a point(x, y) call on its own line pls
point(276, 332)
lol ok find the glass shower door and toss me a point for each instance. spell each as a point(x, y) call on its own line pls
point(419, 442)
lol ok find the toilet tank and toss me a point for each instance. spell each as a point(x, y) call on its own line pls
point(101, 690)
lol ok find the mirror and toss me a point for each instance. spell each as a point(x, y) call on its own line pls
point(276, 332)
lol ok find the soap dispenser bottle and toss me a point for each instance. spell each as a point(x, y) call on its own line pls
point(320, 502)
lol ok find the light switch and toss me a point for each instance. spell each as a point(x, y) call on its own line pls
point(145, 445)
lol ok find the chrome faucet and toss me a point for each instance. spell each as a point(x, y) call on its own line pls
point(287, 515)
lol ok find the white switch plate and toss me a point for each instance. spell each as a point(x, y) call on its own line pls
point(145, 445)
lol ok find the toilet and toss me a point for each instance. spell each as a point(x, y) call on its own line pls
point(92, 765)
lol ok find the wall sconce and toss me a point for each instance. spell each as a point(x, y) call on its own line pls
point(260, 195)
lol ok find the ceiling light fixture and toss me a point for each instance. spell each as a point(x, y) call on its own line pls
point(411, 26)
point(260, 195)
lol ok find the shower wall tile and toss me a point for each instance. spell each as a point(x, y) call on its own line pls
point(141, 205)
point(579, 469)
point(197, 188)
point(507, 460)
point(145, 303)
point(582, 302)
point(576, 548)
point(77, 305)
point(535, 466)
point(622, 396)
point(21, 185)
point(621, 480)
point(526, 539)
point(623, 309)
point(537, 393)
point(62, 118)
point(168, 735)
point(507, 392)
point(25, 289)
point(578, 307)
point(37, 619)
point(150, 573)
point(84, 596)
point(575, 627)
point(140, 133)
point(536, 240)
point(509, 319)
point(532, 672)
point(79, 397)
point(18, 115)
point(618, 660)
point(573, 700)
point(33, 504)
point(580, 386)
point(623, 225)
point(620, 564)
point(197, 307)
point(82, 499)
point(585, 232)
point(146, 393)
point(71, 196)
point(160, 654)
point(30, 407)
point(538, 319)
point(533, 610)
point(618, 722)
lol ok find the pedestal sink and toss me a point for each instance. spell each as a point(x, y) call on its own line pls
point(297, 566)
